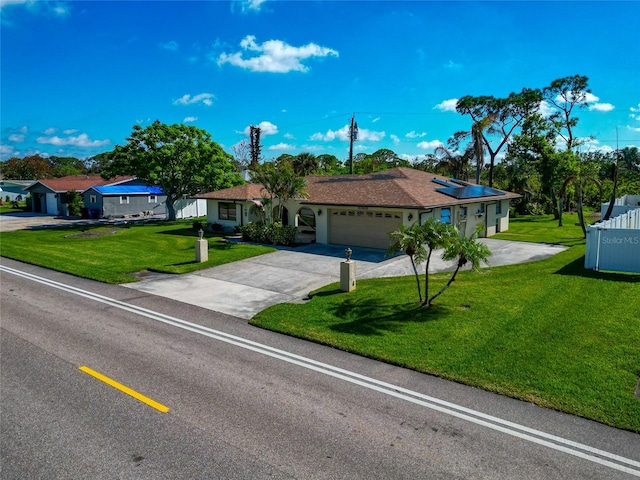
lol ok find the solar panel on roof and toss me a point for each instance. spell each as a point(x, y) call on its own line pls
point(443, 183)
point(460, 182)
point(470, 191)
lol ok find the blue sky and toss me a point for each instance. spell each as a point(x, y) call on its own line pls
point(76, 76)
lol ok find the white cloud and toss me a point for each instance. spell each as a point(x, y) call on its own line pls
point(601, 107)
point(375, 120)
point(23, 129)
point(452, 65)
point(81, 140)
point(7, 151)
point(70, 131)
point(50, 131)
point(274, 56)
point(171, 45)
point(206, 98)
point(343, 135)
point(189, 119)
point(252, 4)
point(545, 109)
point(289, 136)
point(266, 128)
point(432, 144)
point(16, 137)
point(60, 9)
point(447, 105)
point(56, 8)
point(4, 3)
point(395, 139)
point(590, 99)
point(636, 112)
point(414, 134)
point(282, 146)
point(633, 129)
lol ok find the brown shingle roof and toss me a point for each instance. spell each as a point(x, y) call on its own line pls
point(78, 182)
point(395, 188)
point(248, 191)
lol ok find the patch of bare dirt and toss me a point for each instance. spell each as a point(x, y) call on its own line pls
point(94, 233)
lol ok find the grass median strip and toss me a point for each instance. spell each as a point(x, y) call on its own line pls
point(124, 389)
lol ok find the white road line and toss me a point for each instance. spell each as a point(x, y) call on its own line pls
point(529, 434)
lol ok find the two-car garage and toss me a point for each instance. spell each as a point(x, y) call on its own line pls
point(362, 227)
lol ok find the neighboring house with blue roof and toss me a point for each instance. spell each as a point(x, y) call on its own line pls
point(112, 201)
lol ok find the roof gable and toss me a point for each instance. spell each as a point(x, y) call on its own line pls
point(77, 182)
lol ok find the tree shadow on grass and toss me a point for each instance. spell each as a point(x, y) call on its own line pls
point(376, 317)
point(577, 269)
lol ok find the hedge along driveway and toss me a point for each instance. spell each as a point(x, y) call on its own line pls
point(111, 254)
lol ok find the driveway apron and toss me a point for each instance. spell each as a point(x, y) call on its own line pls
point(248, 286)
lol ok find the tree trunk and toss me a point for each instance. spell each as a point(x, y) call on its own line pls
point(560, 209)
point(614, 193)
point(171, 210)
point(415, 271)
point(443, 289)
point(581, 213)
point(426, 279)
point(554, 201)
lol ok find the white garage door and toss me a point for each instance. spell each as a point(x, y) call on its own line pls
point(367, 228)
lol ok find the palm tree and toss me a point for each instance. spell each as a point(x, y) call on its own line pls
point(452, 163)
point(304, 164)
point(410, 241)
point(435, 235)
point(579, 181)
point(477, 135)
point(466, 250)
point(280, 183)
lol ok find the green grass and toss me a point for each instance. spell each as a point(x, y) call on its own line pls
point(543, 229)
point(7, 208)
point(111, 254)
point(549, 332)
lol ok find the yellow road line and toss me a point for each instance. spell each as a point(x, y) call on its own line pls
point(127, 390)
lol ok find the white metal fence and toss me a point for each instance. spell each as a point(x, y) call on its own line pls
point(615, 244)
point(621, 205)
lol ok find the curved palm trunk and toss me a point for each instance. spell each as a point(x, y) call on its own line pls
point(581, 213)
point(444, 289)
point(415, 271)
point(426, 280)
point(614, 193)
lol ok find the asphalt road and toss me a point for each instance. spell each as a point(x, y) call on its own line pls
point(246, 403)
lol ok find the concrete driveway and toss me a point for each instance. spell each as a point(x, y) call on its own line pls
point(248, 286)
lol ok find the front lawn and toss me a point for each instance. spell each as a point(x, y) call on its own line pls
point(549, 332)
point(111, 253)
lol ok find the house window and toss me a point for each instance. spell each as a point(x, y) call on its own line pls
point(92, 199)
point(124, 199)
point(445, 215)
point(463, 212)
point(153, 199)
point(499, 207)
point(227, 211)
